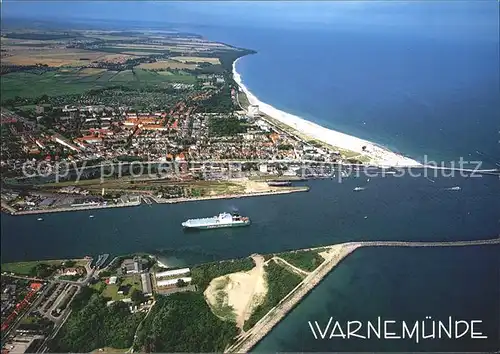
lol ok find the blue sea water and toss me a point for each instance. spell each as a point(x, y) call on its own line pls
point(418, 77)
point(421, 78)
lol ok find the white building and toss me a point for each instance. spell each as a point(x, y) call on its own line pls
point(253, 111)
point(170, 273)
point(170, 282)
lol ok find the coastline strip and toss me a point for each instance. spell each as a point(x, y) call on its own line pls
point(249, 339)
point(77, 208)
point(230, 196)
point(14, 212)
point(380, 155)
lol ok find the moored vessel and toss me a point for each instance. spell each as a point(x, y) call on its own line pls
point(221, 220)
point(279, 183)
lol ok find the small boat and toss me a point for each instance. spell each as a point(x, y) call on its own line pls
point(457, 188)
point(91, 216)
point(40, 219)
point(358, 189)
point(279, 183)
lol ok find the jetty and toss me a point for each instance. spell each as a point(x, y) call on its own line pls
point(247, 340)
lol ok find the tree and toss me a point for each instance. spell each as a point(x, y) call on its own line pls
point(105, 273)
point(181, 283)
point(137, 296)
point(69, 263)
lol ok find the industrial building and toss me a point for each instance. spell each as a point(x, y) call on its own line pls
point(171, 273)
point(171, 282)
point(133, 265)
point(147, 288)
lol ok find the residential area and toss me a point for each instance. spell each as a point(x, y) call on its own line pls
point(38, 297)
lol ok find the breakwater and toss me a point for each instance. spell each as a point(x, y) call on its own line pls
point(247, 340)
point(12, 211)
point(76, 208)
point(230, 196)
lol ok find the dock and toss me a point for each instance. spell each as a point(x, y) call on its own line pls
point(101, 259)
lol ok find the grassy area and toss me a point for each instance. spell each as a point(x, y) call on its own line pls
point(124, 50)
point(111, 290)
point(203, 188)
point(305, 260)
point(164, 64)
point(63, 81)
point(25, 268)
point(110, 350)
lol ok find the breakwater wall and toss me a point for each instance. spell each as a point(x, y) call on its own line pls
point(246, 341)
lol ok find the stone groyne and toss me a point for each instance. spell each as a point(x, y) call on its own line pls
point(249, 339)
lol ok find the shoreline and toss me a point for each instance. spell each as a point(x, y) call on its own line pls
point(69, 209)
point(378, 154)
point(157, 201)
point(230, 196)
point(333, 255)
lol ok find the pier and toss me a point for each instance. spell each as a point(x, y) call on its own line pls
point(247, 340)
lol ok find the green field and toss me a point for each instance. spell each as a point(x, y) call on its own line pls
point(111, 290)
point(24, 268)
point(119, 50)
point(305, 260)
point(67, 81)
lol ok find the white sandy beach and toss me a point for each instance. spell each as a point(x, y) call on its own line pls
point(379, 156)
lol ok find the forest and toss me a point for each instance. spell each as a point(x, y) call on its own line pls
point(183, 322)
point(93, 325)
point(202, 274)
point(226, 126)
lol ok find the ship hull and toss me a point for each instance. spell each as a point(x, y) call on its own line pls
point(215, 226)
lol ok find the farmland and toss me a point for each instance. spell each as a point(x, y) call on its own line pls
point(55, 83)
point(26, 268)
point(53, 57)
point(197, 60)
point(53, 64)
point(168, 64)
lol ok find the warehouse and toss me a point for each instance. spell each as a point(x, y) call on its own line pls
point(147, 288)
point(172, 282)
point(170, 273)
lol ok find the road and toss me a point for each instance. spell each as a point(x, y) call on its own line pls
point(295, 269)
point(131, 350)
point(30, 308)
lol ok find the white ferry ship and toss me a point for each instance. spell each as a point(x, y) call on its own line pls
point(221, 220)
